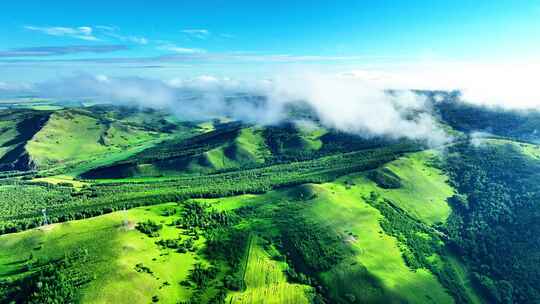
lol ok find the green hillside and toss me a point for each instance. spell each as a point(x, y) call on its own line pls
point(72, 136)
point(144, 208)
point(369, 267)
point(16, 129)
point(265, 280)
point(112, 252)
point(77, 140)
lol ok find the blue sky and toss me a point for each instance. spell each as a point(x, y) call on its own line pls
point(46, 39)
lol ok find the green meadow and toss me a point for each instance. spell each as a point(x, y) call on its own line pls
point(72, 137)
point(265, 280)
point(115, 248)
point(424, 188)
point(377, 255)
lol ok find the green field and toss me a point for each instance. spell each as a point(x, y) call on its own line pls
point(115, 249)
point(344, 211)
point(377, 271)
point(424, 188)
point(528, 149)
point(265, 280)
point(73, 137)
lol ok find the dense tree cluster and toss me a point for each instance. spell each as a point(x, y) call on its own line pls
point(149, 228)
point(385, 178)
point(495, 223)
point(314, 248)
point(52, 283)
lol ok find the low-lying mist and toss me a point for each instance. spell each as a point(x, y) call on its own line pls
point(359, 102)
point(341, 102)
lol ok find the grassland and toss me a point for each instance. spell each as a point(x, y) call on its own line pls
point(424, 188)
point(247, 149)
point(62, 179)
point(115, 250)
point(72, 137)
point(251, 143)
point(311, 136)
point(266, 282)
point(377, 271)
point(46, 107)
point(345, 212)
point(8, 132)
point(528, 149)
point(16, 127)
point(298, 183)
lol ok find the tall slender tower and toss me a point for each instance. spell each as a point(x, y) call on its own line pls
point(45, 220)
point(125, 222)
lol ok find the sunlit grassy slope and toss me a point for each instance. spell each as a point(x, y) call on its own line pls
point(16, 128)
point(424, 188)
point(531, 150)
point(71, 136)
point(344, 211)
point(265, 280)
point(114, 251)
point(311, 135)
point(377, 271)
point(248, 148)
point(8, 132)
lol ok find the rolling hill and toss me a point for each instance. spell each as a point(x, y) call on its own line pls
point(141, 207)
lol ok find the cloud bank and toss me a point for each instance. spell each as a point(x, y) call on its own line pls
point(355, 101)
point(341, 102)
point(508, 86)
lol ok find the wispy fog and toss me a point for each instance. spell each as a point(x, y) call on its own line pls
point(341, 102)
point(357, 101)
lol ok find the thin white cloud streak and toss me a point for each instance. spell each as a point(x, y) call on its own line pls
point(81, 32)
point(197, 33)
point(88, 33)
point(44, 51)
point(114, 32)
point(137, 39)
point(7, 88)
point(181, 50)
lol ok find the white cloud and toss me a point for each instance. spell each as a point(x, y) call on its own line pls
point(138, 40)
point(181, 50)
point(343, 103)
point(197, 33)
point(505, 85)
point(89, 33)
point(81, 32)
point(114, 32)
point(358, 107)
point(7, 89)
